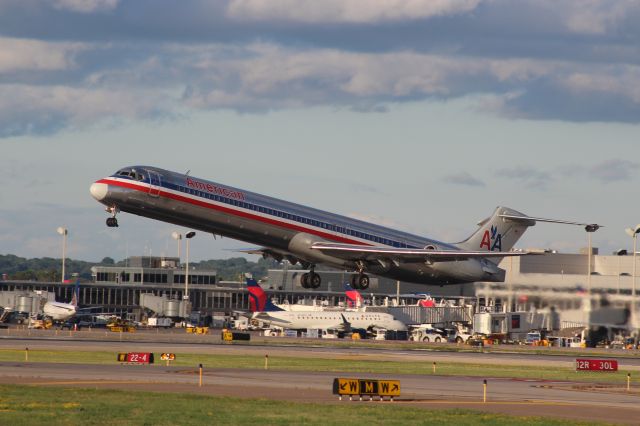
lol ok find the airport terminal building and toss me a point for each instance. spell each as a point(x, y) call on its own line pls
point(534, 282)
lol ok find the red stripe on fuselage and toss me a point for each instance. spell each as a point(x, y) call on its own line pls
point(234, 212)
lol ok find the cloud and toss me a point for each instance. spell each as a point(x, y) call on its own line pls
point(86, 6)
point(528, 176)
point(40, 110)
point(533, 61)
point(621, 81)
point(22, 54)
point(174, 79)
point(614, 170)
point(463, 178)
point(345, 11)
point(597, 16)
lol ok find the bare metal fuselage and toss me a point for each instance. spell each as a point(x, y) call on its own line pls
point(286, 229)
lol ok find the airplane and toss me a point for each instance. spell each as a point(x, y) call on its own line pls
point(263, 309)
point(59, 311)
point(309, 236)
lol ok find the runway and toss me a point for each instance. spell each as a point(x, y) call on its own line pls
point(508, 396)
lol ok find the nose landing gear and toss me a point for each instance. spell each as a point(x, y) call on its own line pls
point(112, 222)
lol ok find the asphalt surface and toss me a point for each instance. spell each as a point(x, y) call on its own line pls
point(509, 396)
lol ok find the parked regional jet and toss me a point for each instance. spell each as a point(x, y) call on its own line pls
point(264, 310)
point(309, 236)
point(59, 311)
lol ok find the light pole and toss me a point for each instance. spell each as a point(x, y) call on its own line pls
point(590, 230)
point(188, 236)
point(63, 231)
point(177, 236)
point(633, 232)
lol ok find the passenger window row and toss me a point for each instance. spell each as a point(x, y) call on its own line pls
point(289, 216)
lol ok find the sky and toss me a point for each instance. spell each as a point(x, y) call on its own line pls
point(423, 115)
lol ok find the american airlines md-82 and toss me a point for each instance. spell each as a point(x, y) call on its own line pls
point(309, 236)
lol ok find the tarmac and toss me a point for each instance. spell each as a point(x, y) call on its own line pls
point(531, 397)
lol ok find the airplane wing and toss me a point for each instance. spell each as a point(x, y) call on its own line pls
point(278, 255)
point(405, 255)
point(264, 316)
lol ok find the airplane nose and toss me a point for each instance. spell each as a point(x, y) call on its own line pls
point(99, 190)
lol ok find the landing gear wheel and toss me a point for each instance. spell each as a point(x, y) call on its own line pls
point(304, 280)
point(363, 281)
point(112, 222)
point(354, 282)
point(314, 280)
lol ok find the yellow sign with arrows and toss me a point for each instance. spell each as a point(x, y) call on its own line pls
point(345, 386)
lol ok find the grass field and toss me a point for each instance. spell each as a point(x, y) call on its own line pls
point(350, 364)
point(27, 405)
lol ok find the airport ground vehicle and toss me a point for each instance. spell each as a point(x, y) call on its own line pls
point(41, 324)
point(536, 338)
point(120, 325)
point(427, 334)
point(241, 324)
point(159, 322)
point(457, 336)
point(272, 332)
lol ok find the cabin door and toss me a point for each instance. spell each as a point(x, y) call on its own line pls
point(154, 184)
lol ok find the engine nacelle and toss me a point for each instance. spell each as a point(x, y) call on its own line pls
point(300, 245)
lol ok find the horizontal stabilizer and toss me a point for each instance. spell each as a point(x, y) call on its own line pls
point(592, 227)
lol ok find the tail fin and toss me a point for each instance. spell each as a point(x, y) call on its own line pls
point(258, 300)
point(500, 232)
point(76, 293)
point(354, 298)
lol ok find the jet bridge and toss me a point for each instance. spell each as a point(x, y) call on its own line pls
point(28, 302)
point(411, 315)
point(162, 306)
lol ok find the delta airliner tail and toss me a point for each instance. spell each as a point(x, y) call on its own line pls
point(258, 300)
point(354, 298)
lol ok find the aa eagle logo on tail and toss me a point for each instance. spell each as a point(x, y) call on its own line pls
point(492, 241)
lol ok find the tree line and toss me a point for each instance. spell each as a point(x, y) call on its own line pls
point(50, 269)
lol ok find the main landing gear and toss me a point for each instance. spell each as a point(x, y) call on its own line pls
point(360, 281)
point(310, 279)
point(112, 222)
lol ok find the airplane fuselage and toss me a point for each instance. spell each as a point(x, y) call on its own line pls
point(59, 311)
point(287, 229)
point(332, 320)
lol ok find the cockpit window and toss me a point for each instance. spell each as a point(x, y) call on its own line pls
point(130, 173)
